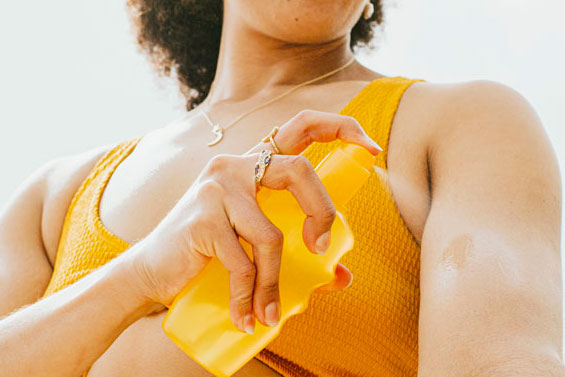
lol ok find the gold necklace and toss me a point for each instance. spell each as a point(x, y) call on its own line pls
point(218, 130)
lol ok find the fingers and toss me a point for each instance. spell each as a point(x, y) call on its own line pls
point(322, 127)
point(254, 286)
point(242, 276)
point(267, 242)
point(296, 174)
point(310, 125)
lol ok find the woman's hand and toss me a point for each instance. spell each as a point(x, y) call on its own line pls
point(221, 205)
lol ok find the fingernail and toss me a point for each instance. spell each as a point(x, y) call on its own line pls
point(378, 147)
point(272, 314)
point(323, 243)
point(249, 324)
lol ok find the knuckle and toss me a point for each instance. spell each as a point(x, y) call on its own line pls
point(303, 120)
point(242, 300)
point(273, 238)
point(246, 273)
point(218, 163)
point(301, 165)
point(350, 119)
point(210, 189)
point(242, 282)
point(306, 134)
point(328, 212)
point(304, 115)
point(270, 287)
point(353, 124)
point(203, 224)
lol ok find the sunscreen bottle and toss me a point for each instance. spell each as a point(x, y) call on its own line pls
point(199, 321)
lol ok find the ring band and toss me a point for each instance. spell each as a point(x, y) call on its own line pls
point(261, 166)
point(270, 139)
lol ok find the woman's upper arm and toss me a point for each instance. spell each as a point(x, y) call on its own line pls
point(24, 266)
point(491, 291)
point(30, 227)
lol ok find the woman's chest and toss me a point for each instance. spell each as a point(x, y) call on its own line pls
point(143, 189)
point(167, 161)
point(147, 184)
point(133, 203)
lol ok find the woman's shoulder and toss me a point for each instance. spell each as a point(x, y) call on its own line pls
point(464, 98)
point(445, 109)
point(62, 177)
point(464, 92)
point(482, 123)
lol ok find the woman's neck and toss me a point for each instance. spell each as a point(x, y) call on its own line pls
point(253, 64)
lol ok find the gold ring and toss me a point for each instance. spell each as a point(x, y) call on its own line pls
point(270, 139)
point(261, 166)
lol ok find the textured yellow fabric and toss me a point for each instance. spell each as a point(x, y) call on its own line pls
point(368, 329)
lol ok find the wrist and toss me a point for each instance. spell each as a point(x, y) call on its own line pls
point(131, 276)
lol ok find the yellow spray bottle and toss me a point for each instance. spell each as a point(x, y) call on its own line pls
point(199, 321)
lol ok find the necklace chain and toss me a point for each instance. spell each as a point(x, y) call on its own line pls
point(219, 131)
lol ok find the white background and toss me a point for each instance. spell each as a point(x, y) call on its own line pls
point(72, 79)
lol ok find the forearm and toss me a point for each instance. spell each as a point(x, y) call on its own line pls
point(542, 364)
point(66, 332)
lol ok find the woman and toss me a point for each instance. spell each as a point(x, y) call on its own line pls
point(457, 257)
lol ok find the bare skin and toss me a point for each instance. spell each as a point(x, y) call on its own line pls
point(438, 139)
point(120, 358)
point(147, 277)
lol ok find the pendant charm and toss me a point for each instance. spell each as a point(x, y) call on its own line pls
point(219, 132)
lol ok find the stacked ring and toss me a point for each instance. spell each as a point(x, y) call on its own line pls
point(270, 139)
point(261, 166)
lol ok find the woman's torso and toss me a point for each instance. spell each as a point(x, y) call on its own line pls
point(150, 180)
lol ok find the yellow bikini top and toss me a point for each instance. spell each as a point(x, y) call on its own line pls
point(368, 329)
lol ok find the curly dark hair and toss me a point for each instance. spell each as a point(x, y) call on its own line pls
point(183, 36)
